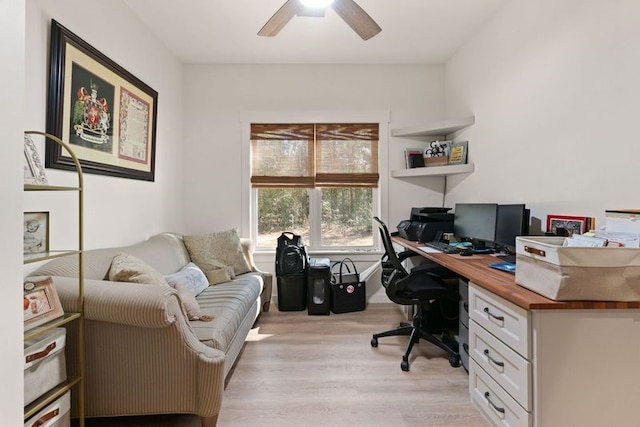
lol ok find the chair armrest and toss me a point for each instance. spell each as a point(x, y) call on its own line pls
point(145, 306)
point(406, 254)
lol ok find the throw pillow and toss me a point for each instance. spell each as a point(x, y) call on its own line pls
point(191, 277)
point(210, 251)
point(128, 268)
point(219, 275)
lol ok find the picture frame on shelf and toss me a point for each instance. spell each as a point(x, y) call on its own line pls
point(36, 233)
point(437, 153)
point(34, 173)
point(458, 153)
point(40, 303)
point(106, 114)
point(566, 225)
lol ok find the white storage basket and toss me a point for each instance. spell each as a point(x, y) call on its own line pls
point(564, 273)
point(56, 414)
point(44, 366)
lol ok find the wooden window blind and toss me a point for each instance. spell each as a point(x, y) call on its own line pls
point(314, 155)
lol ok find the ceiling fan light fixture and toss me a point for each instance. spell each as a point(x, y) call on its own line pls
point(316, 3)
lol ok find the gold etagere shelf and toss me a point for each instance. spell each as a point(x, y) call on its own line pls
point(74, 382)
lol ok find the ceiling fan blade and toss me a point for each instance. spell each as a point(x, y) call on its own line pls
point(279, 19)
point(356, 18)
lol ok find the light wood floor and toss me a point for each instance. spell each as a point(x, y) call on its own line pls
point(301, 370)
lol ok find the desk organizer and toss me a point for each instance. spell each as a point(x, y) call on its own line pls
point(564, 273)
point(44, 366)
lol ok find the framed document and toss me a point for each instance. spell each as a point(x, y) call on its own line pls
point(106, 114)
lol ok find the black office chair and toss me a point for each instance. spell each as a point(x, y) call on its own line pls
point(421, 287)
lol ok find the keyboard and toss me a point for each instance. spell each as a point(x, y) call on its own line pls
point(506, 257)
point(443, 247)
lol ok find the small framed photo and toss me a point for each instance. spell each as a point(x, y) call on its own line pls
point(40, 303)
point(566, 225)
point(437, 153)
point(458, 153)
point(36, 232)
point(33, 170)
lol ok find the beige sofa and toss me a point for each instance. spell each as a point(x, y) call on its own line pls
point(143, 355)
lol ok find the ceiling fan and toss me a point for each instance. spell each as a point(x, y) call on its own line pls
point(348, 10)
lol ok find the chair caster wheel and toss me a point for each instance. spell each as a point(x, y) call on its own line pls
point(404, 365)
point(454, 361)
point(374, 342)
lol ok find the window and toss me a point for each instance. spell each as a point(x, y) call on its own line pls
point(317, 180)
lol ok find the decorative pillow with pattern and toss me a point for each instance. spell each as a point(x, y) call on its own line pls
point(191, 277)
point(215, 250)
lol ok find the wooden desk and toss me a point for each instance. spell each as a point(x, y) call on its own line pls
point(476, 269)
point(536, 362)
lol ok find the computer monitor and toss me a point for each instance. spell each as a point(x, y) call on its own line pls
point(475, 222)
point(512, 221)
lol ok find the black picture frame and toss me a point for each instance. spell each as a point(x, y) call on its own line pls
point(105, 113)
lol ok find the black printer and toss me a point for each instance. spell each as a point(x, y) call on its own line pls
point(426, 224)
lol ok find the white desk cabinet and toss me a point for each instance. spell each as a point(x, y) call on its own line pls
point(553, 367)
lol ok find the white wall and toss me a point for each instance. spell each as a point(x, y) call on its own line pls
point(12, 22)
point(218, 94)
point(555, 90)
point(117, 211)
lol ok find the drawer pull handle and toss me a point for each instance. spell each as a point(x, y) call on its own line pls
point(39, 355)
point(495, 362)
point(466, 306)
point(535, 251)
point(465, 347)
point(46, 417)
point(500, 318)
point(486, 396)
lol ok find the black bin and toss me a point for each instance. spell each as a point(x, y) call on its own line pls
point(292, 292)
point(318, 286)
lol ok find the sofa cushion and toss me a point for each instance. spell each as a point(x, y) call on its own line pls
point(214, 250)
point(229, 303)
point(128, 268)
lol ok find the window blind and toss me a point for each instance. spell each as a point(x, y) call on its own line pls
point(314, 155)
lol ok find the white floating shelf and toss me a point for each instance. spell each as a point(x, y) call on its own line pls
point(439, 128)
point(433, 171)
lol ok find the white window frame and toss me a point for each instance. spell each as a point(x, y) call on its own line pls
point(380, 195)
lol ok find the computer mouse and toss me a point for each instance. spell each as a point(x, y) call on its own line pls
point(466, 252)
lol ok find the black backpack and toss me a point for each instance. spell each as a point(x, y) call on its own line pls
point(291, 256)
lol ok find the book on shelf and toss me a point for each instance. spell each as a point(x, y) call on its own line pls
point(458, 153)
point(414, 158)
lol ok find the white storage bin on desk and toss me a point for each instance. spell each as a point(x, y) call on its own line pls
point(565, 273)
point(44, 366)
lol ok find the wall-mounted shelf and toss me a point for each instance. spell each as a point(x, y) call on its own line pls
point(440, 128)
point(434, 130)
point(433, 171)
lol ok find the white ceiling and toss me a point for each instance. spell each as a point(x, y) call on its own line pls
point(225, 31)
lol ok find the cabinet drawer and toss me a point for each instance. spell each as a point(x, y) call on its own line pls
point(494, 403)
point(510, 370)
point(506, 321)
